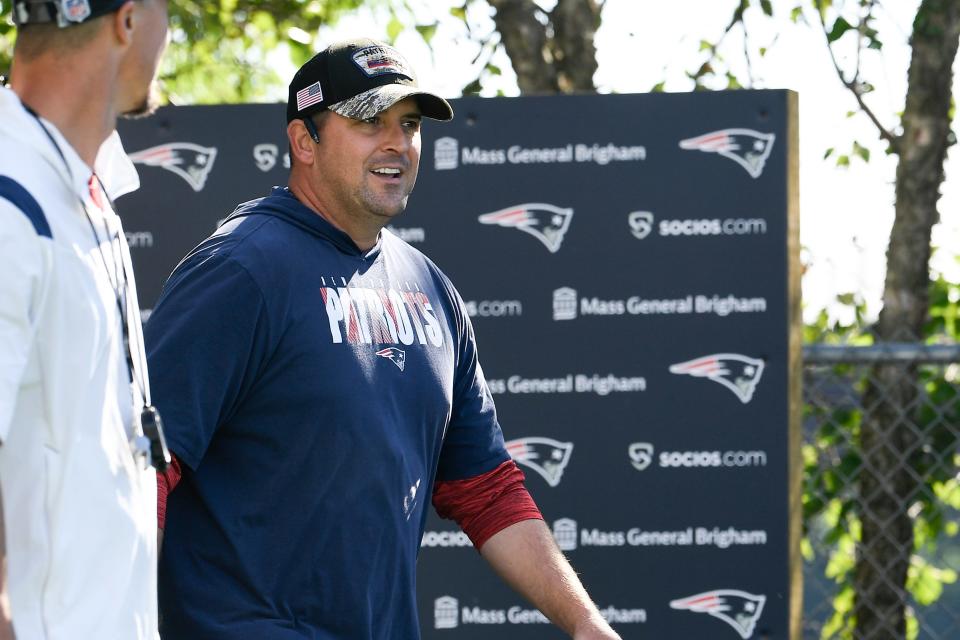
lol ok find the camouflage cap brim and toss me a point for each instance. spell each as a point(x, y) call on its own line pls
point(373, 101)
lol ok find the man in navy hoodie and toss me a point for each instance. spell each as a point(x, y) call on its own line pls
point(319, 380)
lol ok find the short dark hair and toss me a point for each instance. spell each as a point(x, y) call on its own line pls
point(36, 39)
point(33, 39)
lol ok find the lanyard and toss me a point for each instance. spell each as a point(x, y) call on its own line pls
point(151, 441)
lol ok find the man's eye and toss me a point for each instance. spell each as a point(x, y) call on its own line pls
point(370, 120)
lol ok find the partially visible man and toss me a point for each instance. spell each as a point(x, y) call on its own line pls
point(320, 382)
point(78, 520)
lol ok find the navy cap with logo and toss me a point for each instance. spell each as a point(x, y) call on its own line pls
point(358, 79)
point(62, 12)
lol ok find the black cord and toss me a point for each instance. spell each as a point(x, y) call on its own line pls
point(150, 422)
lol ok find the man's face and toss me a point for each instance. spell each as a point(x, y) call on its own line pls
point(149, 44)
point(366, 169)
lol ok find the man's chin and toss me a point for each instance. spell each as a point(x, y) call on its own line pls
point(145, 107)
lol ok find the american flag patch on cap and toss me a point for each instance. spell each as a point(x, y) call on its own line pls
point(309, 96)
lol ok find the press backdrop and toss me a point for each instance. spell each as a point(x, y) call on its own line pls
point(630, 265)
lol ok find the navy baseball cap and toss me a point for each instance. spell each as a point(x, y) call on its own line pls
point(358, 79)
point(62, 12)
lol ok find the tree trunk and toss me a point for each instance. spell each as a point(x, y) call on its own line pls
point(550, 53)
point(887, 484)
point(525, 39)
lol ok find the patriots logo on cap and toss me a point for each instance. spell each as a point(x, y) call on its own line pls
point(736, 372)
point(748, 148)
point(739, 609)
point(394, 355)
point(545, 222)
point(190, 161)
point(546, 456)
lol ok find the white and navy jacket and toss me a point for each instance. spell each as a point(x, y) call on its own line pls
point(79, 508)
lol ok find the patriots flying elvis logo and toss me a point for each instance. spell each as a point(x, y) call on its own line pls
point(190, 161)
point(546, 456)
point(748, 148)
point(545, 222)
point(394, 355)
point(739, 609)
point(739, 373)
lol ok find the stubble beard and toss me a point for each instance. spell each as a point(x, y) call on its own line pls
point(382, 205)
point(148, 105)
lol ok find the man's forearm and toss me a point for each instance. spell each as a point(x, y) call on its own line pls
point(527, 558)
point(6, 616)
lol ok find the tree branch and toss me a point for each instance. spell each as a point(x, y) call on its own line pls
point(854, 87)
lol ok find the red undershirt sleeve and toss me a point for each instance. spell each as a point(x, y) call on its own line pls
point(486, 504)
point(166, 482)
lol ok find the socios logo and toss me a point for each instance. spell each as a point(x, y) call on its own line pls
point(641, 455)
point(748, 148)
point(446, 154)
point(641, 224)
point(190, 161)
point(565, 304)
point(266, 156)
point(739, 609)
point(446, 613)
point(565, 534)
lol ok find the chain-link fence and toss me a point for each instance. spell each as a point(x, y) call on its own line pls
point(881, 492)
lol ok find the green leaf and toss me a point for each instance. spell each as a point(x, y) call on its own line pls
point(473, 88)
point(659, 87)
point(427, 31)
point(828, 153)
point(494, 69)
point(767, 7)
point(459, 12)
point(706, 46)
point(840, 27)
point(861, 151)
point(394, 28)
point(843, 161)
point(796, 13)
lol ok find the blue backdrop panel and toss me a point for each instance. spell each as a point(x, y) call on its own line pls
point(625, 260)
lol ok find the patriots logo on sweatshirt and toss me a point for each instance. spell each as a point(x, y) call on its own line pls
point(394, 355)
point(545, 222)
point(739, 609)
point(738, 373)
point(190, 161)
point(546, 456)
point(748, 148)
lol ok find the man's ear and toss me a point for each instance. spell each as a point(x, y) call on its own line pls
point(302, 146)
point(123, 21)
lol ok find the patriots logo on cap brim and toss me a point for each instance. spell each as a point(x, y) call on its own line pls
point(190, 161)
point(739, 609)
point(545, 222)
point(546, 456)
point(739, 373)
point(748, 148)
point(394, 355)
